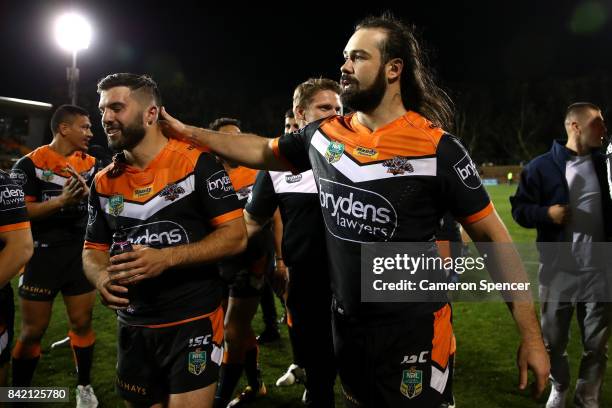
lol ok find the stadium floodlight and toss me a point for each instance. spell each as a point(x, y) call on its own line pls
point(73, 33)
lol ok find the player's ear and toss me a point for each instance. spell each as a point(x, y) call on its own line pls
point(394, 68)
point(62, 128)
point(299, 112)
point(152, 114)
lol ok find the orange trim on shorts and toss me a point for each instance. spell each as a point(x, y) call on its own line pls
point(15, 227)
point(191, 319)
point(82, 341)
point(22, 351)
point(229, 216)
point(478, 215)
point(443, 342)
point(216, 321)
point(96, 245)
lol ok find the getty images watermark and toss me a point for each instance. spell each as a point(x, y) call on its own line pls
point(416, 272)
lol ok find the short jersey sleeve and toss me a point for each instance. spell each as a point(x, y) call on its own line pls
point(98, 234)
point(13, 212)
point(462, 188)
point(292, 148)
point(263, 200)
point(215, 190)
point(24, 174)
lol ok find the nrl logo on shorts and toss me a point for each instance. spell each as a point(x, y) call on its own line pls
point(196, 362)
point(334, 152)
point(398, 165)
point(412, 383)
point(115, 205)
point(47, 175)
point(171, 192)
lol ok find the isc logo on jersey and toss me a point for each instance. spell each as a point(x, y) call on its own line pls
point(219, 185)
point(158, 234)
point(355, 214)
point(11, 197)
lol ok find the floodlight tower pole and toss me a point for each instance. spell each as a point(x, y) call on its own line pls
point(72, 73)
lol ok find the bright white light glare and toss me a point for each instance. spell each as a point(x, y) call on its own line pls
point(72, 32)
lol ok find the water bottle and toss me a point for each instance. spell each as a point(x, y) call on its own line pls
point(121, 245)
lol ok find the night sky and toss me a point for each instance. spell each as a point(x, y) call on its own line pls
point(260, 53)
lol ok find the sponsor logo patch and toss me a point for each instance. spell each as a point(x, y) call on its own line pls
point(355, 214)
point(468, 173)
point(143, 192)
point(415, 358)
point(293, 178)
point(11, 197)
point(196, 362)
point(157, 234)
point(172, 191)
point(219, 185)
point(365, 152)
point(398, 165)
point(334, 152)
point(412, 383)
point(115, 204)
point(19, 177)
point(200, 341)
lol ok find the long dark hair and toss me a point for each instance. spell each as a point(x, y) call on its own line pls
point(419, 90)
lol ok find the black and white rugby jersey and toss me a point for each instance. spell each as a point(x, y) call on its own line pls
point(391, 185)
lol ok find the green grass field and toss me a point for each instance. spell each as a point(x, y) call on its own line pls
point(485, 374)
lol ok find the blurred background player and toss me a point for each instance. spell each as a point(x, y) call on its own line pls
point(291, 125)
point(304, 252)
point(16, 248)
point(175, 203)
point(244, 274)
point(55, 181)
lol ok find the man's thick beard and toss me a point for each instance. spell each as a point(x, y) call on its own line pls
point(366, 100)
point(131, 136)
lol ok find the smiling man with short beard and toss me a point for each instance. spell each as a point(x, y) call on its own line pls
point(178, 203)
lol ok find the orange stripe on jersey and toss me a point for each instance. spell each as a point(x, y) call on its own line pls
point(212, 315)
point(30, 199)
point(176, 161)
point(48, 159)
point(15, 227)
point(96, 245)
point(443, 342)
point(242, 177)
point(232, 215)
point(411, 135)
point(477, 216)
point(281, 158)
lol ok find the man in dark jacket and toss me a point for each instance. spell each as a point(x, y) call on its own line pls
point(564, 195)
